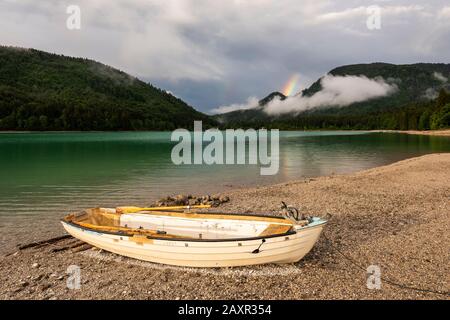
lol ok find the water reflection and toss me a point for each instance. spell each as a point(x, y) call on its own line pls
point(47, 174)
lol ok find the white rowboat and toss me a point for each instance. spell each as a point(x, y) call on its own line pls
point(196, 239)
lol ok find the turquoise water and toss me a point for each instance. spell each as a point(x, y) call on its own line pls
point(46, 175)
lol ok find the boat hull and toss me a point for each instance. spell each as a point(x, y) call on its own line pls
point(205, 253)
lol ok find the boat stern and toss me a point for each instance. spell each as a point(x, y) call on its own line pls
point(307, 236)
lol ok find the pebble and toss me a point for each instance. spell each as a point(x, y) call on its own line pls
point(18, 289)
point(38, 277)
point(44, 286)
point(163, 277)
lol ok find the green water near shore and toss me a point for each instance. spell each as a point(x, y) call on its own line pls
point(50, 174)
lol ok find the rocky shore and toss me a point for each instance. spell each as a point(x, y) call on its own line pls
point(190, 200)
point(394, 217)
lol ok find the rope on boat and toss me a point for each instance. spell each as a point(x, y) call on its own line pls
point(394, 282)
point(259, 247)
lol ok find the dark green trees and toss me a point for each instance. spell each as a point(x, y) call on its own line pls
point(42, 91)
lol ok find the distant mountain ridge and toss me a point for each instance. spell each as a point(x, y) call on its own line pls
point(417, 84)
point(272, 96)
point(44, 91)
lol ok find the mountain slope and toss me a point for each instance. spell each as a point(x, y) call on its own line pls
point(249, 115)
point(415, 82)
point(272, 96)
point(43, 91)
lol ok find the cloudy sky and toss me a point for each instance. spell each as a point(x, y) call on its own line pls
point(219, 53)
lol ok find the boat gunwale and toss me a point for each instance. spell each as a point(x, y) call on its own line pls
point(124, 234)
point(216, 213)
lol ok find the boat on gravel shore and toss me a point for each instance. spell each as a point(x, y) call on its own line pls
point(193, 239)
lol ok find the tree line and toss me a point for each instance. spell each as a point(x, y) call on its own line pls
point(429, 115)
point(43, 91)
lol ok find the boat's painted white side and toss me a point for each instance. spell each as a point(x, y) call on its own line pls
point(220, 253)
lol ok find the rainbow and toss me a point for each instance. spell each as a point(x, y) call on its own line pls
point(290, 86)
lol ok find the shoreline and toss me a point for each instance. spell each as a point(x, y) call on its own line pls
point(437, 133)
point(440, 133)
point(393, 216)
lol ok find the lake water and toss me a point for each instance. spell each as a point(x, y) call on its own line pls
point(46, 175)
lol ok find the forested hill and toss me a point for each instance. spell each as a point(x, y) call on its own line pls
point(417, 104)
point(43, 91)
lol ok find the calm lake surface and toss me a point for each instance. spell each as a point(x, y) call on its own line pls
point(46, 175)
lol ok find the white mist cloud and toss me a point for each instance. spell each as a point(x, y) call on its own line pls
point(251, 103)
point(336, 91)
point(351, 13)
point(430, 94)
point(444, 13)
point(440, 77)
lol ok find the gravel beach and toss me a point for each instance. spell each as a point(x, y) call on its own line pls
point(395, 217)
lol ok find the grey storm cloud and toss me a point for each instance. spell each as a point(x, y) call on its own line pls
point(220, 53)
